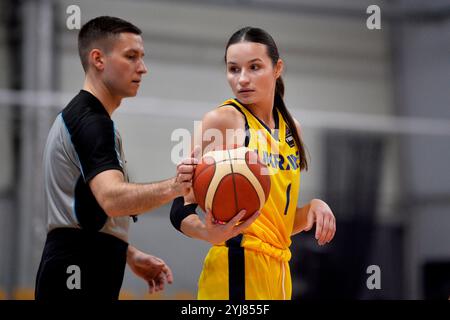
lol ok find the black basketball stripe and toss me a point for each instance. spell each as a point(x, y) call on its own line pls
point(205, 170)
point(234, 182)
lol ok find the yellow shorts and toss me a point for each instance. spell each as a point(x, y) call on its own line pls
point(235, 273)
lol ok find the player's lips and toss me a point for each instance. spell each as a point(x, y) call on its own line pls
point(136, 81)
point(246, 90)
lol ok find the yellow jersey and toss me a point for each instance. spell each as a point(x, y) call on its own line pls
point(271, 232)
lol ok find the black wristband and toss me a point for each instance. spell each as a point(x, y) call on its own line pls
point(179, 211)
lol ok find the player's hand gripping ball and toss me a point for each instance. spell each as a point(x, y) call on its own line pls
point(230, 180)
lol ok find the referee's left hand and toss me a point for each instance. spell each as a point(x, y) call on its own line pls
point(150, 268)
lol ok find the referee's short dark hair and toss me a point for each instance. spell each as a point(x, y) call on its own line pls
point(98, 33)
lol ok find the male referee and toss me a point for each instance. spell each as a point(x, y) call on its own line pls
point(89, 199)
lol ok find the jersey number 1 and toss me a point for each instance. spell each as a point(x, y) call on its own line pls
point(288, 196)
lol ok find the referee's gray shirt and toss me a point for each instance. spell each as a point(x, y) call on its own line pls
point(81, 143)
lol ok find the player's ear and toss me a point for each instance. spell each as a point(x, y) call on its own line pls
point(96, 58)
point(279, 67)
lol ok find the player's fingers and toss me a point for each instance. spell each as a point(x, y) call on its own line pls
point(236, 219)
point(334, 230)
point(209, 218)
point(325, 229)
point(330, 229)
point(244, 225)
point(319, 224)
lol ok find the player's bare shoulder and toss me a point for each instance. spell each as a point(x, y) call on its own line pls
point(225, 117)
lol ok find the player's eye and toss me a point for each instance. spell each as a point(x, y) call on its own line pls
point(233, 69)
point(254, 67)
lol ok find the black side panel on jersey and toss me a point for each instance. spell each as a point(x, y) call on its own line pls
point(89, 213)
point(92, 134)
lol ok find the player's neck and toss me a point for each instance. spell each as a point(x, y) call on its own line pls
point(264, 112)
point(101, 92)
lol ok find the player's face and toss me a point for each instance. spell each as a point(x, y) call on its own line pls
point(250, 72)
point(124, 65)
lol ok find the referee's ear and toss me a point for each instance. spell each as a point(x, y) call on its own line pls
point(97, 59)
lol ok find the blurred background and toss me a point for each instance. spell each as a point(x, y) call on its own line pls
point(374, 106)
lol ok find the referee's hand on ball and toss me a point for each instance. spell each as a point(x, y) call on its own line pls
point(185, 172)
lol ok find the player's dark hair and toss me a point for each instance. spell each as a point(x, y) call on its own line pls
point(99, 32)
point(257, 35)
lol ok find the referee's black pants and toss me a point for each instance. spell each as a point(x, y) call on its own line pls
point(81, 265)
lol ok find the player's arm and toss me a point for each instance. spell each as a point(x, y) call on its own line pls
point(185, 219)
point(120, 198)
point(95, 144)
point(222, 126)
point(318, 212)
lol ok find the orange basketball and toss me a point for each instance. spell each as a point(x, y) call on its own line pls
point(228, 181)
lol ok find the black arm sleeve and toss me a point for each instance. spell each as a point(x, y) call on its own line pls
point(179, 211)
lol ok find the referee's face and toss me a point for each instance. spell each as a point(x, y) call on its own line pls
point(124, 65)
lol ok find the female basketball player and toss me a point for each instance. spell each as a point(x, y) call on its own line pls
point(250, 260)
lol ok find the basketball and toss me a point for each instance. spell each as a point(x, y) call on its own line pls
point(230, 180)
